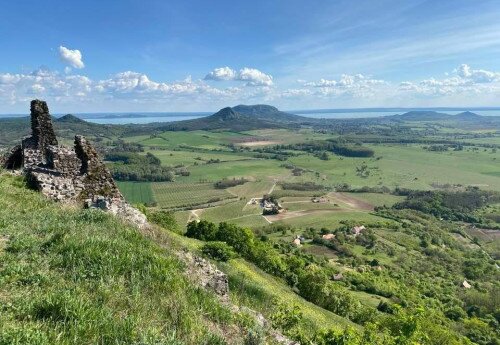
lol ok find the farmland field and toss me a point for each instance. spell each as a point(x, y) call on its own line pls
point(209, 157)
point(178, 195)
point(137, 192)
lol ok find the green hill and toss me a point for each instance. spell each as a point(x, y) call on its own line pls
point(70, 276)
point(241, 118)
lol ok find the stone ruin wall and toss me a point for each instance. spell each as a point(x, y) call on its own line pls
point(67, 174)
point(79, 175)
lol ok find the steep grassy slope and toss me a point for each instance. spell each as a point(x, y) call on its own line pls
point(69, 276)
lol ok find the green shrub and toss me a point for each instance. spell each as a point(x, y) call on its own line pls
point(165, 219)
point(219, 251)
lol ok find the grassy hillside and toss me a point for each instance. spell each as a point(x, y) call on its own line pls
point(69, 276)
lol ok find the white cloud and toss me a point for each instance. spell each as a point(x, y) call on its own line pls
point(71, 57)
point(347, 81)
point(294, 93)
point(134, 91)
point(221, 73)
point(252, 76)
point(36, 89)
point(477, 75)
point(463, 81)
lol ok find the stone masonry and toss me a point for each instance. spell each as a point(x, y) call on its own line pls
point(67, 174)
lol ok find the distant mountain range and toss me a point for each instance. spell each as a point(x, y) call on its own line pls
point(436, 116)
point(241, 118)
point(248, 117)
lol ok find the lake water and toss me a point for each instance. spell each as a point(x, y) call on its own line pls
point(141, 118)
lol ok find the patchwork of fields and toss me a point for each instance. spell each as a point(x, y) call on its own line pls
point(208, 157)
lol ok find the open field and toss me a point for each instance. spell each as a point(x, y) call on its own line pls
point(208, 157)
point(188, 158)
point(177, 195)
point(409, 166)
point(377, 199)
point(326, 219)
point(137, 192)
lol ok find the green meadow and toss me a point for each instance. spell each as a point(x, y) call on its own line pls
point(211, 156)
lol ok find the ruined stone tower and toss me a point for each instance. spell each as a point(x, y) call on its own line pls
point(66, 174)
point(42, 131)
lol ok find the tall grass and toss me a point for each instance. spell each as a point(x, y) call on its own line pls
point(70, 276)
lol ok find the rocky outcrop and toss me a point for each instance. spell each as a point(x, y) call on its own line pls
point(206, 274)
point(67, 174)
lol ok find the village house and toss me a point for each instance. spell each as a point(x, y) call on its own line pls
point(466, 284)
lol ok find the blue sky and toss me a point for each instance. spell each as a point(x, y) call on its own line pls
point(129, 55)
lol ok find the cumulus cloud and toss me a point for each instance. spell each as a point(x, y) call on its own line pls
point(477, 75)
point(71, 57)
point(347, 81)
point(464, 85)
point(138, 84)
point(353, 86)
point(463, 80)
point(128, 86)
point(221, 73)
point(251, 76)
point(254, 77)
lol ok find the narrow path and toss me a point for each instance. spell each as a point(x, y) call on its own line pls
point(273, 186)
point(193, 216)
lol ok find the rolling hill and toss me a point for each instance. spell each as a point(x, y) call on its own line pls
point(241, 118)
point(467, 116)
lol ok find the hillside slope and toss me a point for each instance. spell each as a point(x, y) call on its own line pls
point(241, 118)
point(69, 276)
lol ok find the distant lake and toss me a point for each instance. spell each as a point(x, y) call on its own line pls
point(142, 118)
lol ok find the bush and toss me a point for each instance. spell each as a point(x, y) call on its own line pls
point(226, 183)
point(219, 251)
point(165, 219)
point(302, 186)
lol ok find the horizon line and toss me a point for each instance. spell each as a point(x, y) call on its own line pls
point(304, 111)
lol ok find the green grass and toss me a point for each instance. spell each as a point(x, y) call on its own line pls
point(71, 276)
point(252, 189)
point(188, 158)
point(408, 166)
point(250, 285)
point(378, 199)
point(175, 195)
point(330, 220)
point(137, 192)
point(230, 211)
point(200, 139)
point(258, 169)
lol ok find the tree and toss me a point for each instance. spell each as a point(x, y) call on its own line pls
point(218, 251)
point(241, 239)
point(202, 230)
